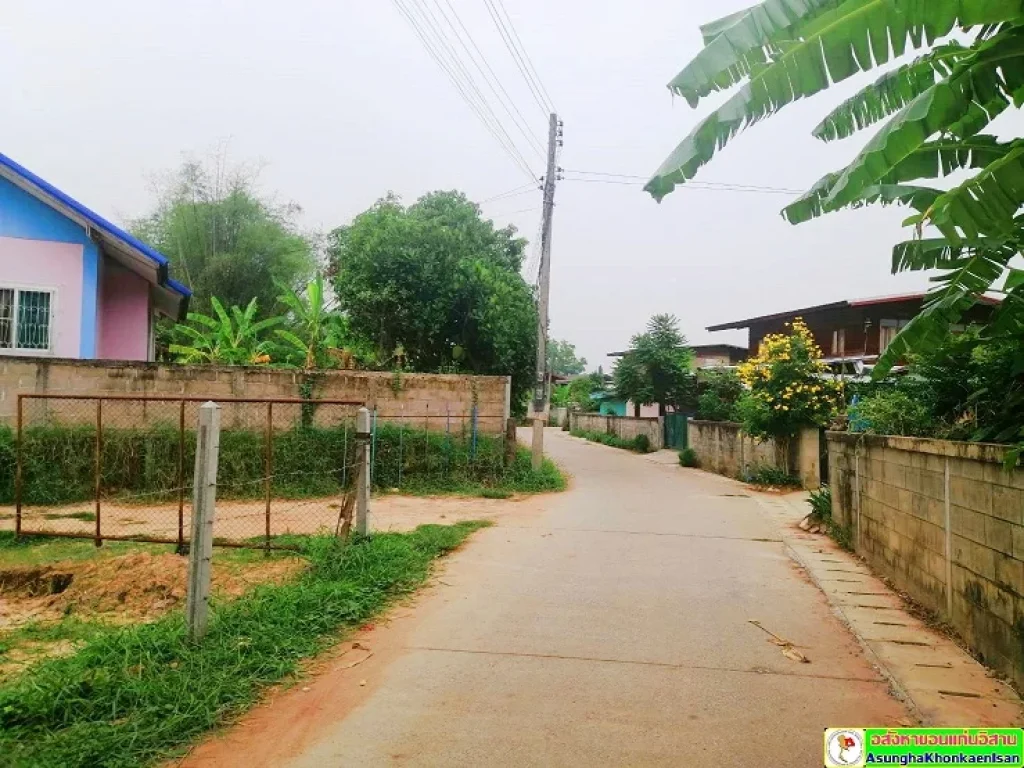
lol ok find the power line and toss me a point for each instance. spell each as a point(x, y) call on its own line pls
point(521, 123)
point(428, 17)
point(507, 39)
point(521, 210)
point(709, 185)
point(506, 144)
point(511, 193)
point(529, 62)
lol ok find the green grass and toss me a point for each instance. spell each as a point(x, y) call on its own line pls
point(308, 462)
point(135, 695)
point(43, 550)
point(639, 444)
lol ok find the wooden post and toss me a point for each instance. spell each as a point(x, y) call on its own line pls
point(203, 509)
point(510, 442)
point(363, 472)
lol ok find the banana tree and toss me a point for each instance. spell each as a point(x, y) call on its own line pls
point(228, 338)
point(318, 334)
point(935, 108)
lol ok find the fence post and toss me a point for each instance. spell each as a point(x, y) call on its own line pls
point(203, 509)
point(538, 442)
point(510, 442)
point(99, 472)
point(363, 472)
point(948, 541)
point(19, 469)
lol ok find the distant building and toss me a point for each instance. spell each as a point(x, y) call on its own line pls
point(72, 284)
point(718, 355)
point(856, 330)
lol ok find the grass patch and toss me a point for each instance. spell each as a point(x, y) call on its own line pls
point(763, 474)
point(638, 444)
point(89, 517)
point(45, 550)
point(495, 493)
point(134, 695)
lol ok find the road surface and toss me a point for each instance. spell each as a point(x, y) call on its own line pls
point(606, 626)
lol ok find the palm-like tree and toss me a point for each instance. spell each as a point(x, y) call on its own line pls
point(935, 108)
point(318, 336)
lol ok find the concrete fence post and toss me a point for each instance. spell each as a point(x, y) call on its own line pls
point(203, 512)
point(949, 541)
point(363, 436)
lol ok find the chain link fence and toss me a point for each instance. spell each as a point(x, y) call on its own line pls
point(121, 468)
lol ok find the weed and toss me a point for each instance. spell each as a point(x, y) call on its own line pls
point(688, 458)
point(639, 444)
point(821, 512)
point(764, 474)
point(495, 493)
point(133, 695)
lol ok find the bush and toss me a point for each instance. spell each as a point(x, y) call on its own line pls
point(892, 412)
point(763, 474)
point(821, 503)
point(688, 458)
point(720, 391)
point(639, 444)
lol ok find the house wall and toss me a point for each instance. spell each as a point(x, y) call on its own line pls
point(48, 265)
point(945, 522)
point(124, 313)
point(432, 401)
point(46, 249)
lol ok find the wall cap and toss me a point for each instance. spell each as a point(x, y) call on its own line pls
point(992, 453)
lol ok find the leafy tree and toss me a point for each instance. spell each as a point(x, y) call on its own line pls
point(224, 239)
point(718, 394)
point(656, 369)
point(227, 338)
point(936, 108)
point(786, 387)
point(562, 360)
point(441, 284)
point(578, 391)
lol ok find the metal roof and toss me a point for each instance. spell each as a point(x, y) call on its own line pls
point(112, 237)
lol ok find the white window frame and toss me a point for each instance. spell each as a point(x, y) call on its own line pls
point(34, 352)
point(885, 326)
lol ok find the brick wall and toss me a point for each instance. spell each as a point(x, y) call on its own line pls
point(427, 399)
point(945, 522)
point(625, 427)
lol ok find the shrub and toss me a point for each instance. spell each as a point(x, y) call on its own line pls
point(639, 444)
point(821, 503)
point(787, 388)
point(642, 444)
point(763, 474)
point(892, 412)
point(720, 391)
point(688, 458)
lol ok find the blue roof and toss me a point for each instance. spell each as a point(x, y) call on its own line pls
point(98, 222)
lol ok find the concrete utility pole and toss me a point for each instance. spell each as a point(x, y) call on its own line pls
point(541, 391)
point(203, 513)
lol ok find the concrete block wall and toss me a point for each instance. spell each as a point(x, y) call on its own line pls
point(945, 521)
point(424, 400)
point(625, 427)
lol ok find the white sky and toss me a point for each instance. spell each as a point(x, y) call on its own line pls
point(341, 103)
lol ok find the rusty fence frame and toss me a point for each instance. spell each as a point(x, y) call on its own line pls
point(183, 401)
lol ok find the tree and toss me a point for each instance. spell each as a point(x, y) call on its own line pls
point(224, 239)
point(318, 337)
point(718, 393)
point(783, 51)
point(562, 359)
point(786, 386)
point(440, 283)
point(656, 369)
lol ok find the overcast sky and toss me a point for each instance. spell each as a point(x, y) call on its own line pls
point(341, 103)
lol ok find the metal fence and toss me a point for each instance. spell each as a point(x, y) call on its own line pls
point(121, 468)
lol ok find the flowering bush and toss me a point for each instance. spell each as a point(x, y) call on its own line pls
point(787, 388)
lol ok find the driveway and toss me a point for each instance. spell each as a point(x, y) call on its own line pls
point(606, 626)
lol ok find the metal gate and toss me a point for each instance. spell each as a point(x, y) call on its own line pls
point(676, 432)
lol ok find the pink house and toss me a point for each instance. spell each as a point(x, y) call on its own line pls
point(72, 284)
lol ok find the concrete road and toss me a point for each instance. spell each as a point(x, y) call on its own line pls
point(606, 626)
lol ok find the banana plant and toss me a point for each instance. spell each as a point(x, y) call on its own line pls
point(317, 338)
point(232, 337)
point(934, 111)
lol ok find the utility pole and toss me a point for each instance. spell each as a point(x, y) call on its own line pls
point(540, 389)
